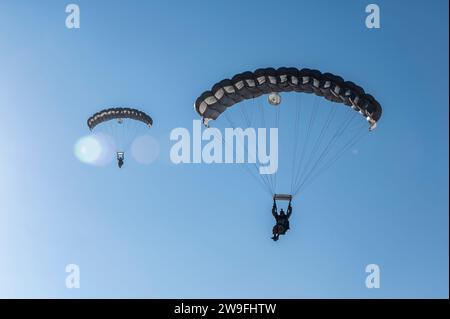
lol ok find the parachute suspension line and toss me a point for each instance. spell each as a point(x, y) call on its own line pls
point(107, 130)
point(113, 135)
point(127, 132)
point(296, 139)
point(245, 116)
point(264, 186)
point(122, 128)
point(269, 179)
point(118, 127)
point(353, 140)
point(277, 125)
point(318, 141)
point(309, 128)
point(327, 148)
point(125, 129)
point(131, 131)
point(112, 127)
point(266, 179)
point(134, 132)
point(96, 130)
point(357, 126)
point(336, 137)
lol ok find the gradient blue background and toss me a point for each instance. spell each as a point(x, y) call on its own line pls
point(203, 231)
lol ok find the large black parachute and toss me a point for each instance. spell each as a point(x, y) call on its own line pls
point(313, 137)
point(118, 113)
point(248, 85)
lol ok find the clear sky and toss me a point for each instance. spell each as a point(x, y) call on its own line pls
point(170, 231)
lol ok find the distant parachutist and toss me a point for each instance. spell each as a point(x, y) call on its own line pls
point(120, 123)
point(120, 158)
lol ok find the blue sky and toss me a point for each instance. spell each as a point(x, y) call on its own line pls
point(171, 231)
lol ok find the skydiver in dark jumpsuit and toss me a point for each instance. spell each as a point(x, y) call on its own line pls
point(120, 158)
point(282, 219)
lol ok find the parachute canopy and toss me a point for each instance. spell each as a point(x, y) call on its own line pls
point(248, 85)
point(312, 137)
point(118, 113)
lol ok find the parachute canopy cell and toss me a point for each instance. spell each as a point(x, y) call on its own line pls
point(118, 113)
point(248, 85)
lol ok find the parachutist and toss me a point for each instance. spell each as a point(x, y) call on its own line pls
point(120, 158)
point(282, 220)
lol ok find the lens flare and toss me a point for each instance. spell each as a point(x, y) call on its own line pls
point(95, 149)
point(145, 149)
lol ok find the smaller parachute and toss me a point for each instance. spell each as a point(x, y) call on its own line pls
point(123, 124)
